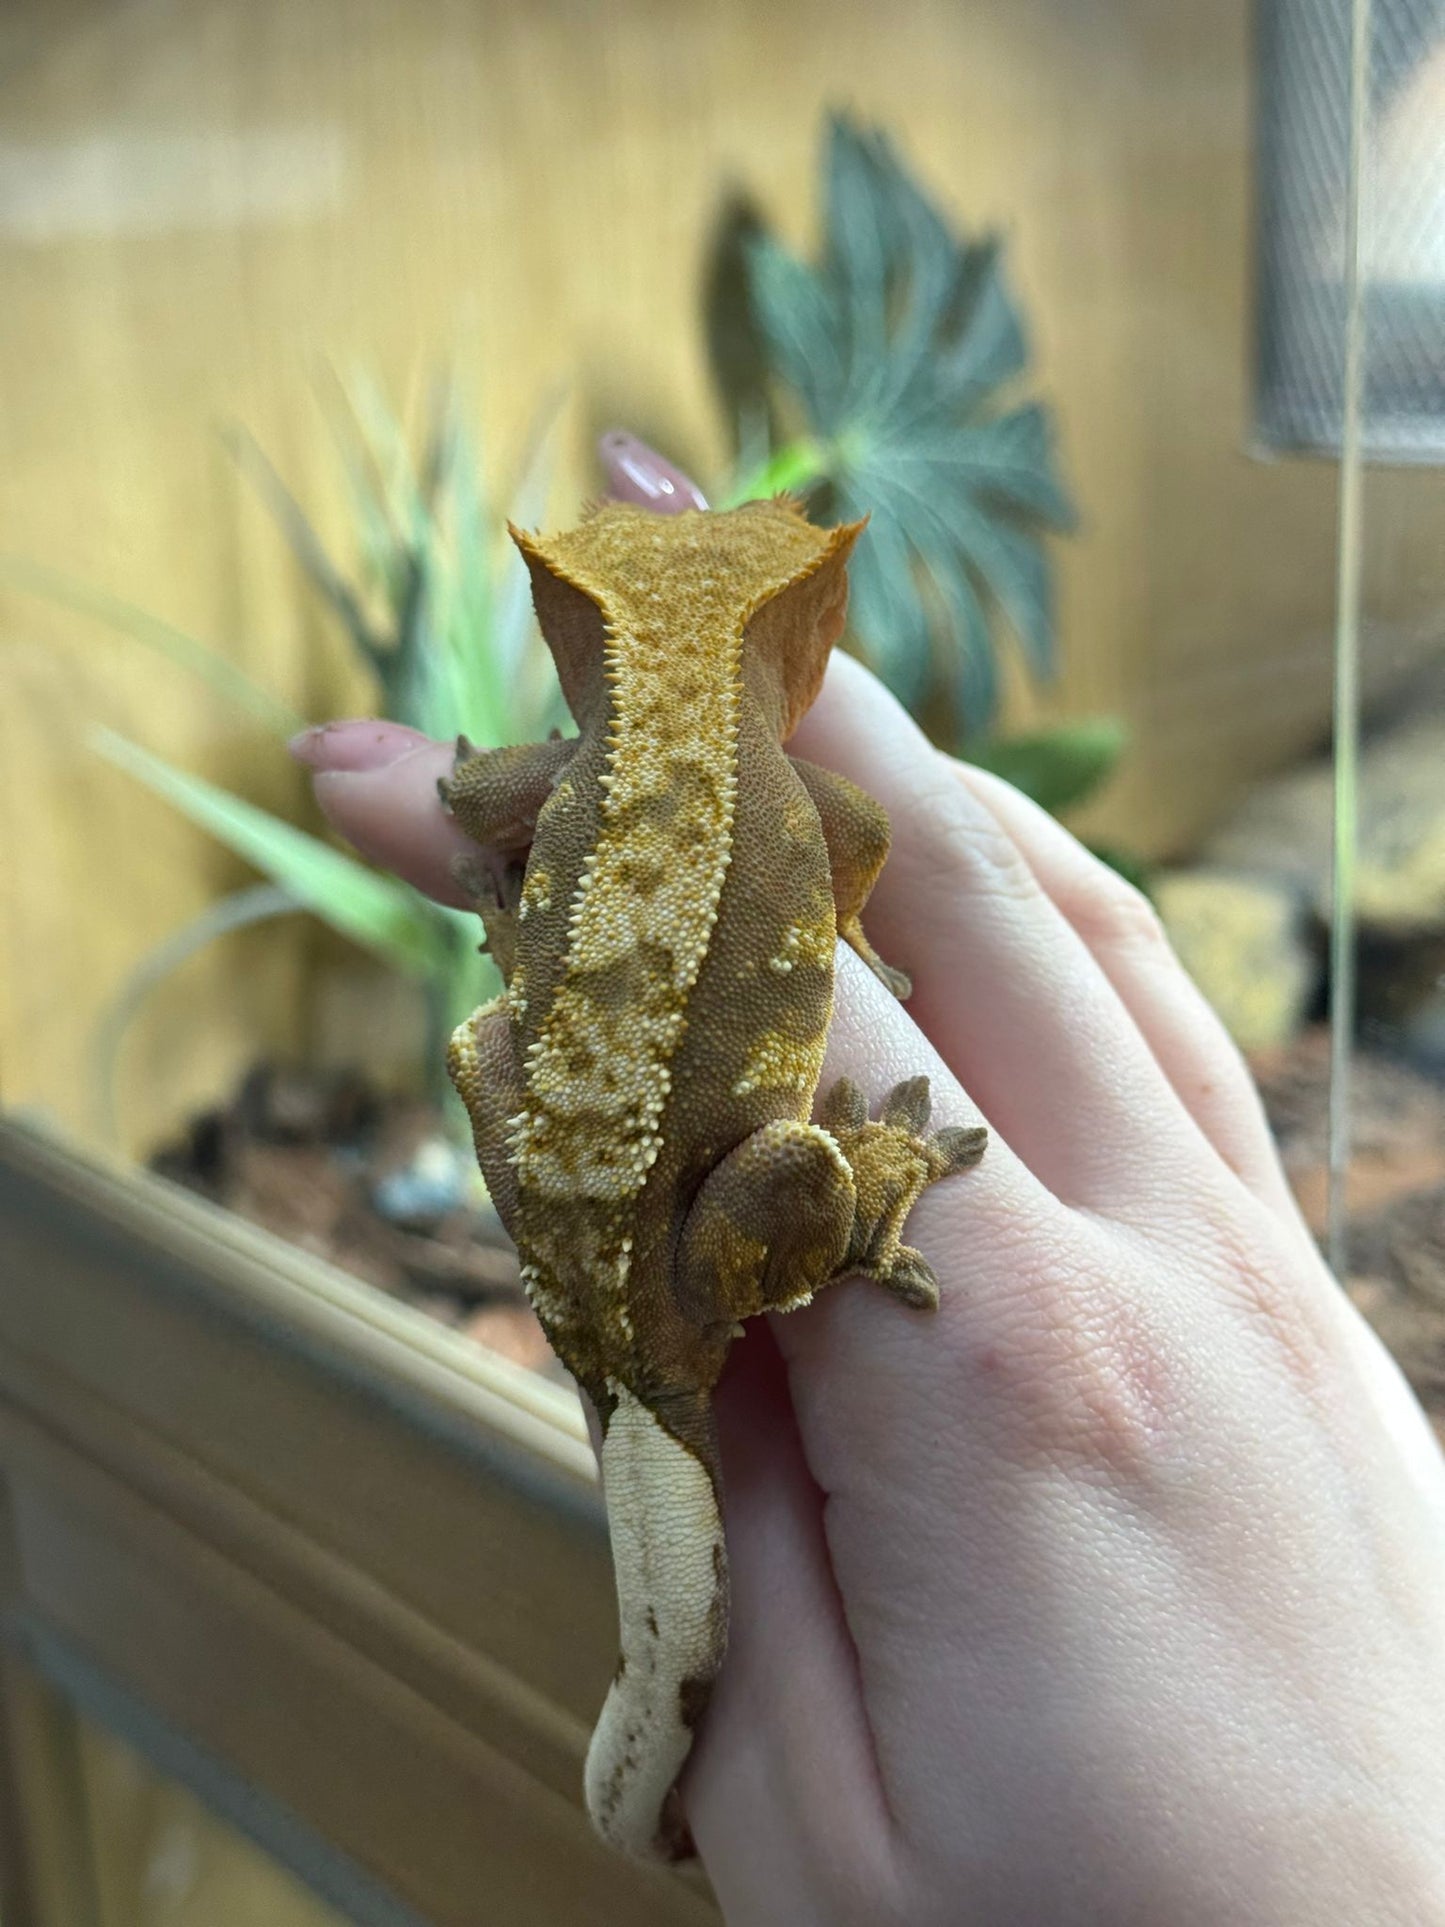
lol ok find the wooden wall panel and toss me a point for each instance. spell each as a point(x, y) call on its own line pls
point(196, 200)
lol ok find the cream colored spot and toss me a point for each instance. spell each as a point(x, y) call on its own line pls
point(779, 1063)
point(536, 893)
point(517, 993)
point(809, 943)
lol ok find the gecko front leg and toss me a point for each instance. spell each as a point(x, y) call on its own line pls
point(797, 1206)
point(496, 795)
point(856, 835)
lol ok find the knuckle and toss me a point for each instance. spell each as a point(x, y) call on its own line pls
point(1082, 1375)
point(1113, 915)
point(972, 849)
point(1259, 1273)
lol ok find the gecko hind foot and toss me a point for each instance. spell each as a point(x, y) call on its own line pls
point(894, 1159)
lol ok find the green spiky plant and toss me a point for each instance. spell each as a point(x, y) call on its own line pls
point(439, 612)
point(897, 357)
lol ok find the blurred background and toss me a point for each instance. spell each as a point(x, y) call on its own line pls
point(296, 304)
point(1124, 320)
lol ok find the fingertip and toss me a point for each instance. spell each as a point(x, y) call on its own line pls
point(393, 817)
point(636, 473)
point(356, 744)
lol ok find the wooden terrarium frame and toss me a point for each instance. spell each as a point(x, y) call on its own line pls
point(340, 1572)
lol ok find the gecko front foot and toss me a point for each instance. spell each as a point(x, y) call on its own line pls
point(893, 1159)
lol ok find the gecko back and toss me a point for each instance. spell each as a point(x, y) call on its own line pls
point(641, 1096)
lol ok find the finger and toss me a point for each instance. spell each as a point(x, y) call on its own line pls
point(1120, 928)
point(1005, 989)
point(788, 1700)
point(636, 473)
point(376, 783)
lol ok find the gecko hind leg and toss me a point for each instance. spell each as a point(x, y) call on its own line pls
point(798, 1206)
point(768, 1227)
point(855, 834)
point(482, 1064)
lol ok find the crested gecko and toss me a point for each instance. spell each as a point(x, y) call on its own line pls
point(671, 887)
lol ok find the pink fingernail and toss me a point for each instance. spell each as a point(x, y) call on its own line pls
point(363, 744)
point(637, 473)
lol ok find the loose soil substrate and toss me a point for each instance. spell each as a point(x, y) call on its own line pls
point(1396, 1193)
point(304, 1154)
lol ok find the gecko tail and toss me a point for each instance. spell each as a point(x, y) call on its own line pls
point(672, 1599)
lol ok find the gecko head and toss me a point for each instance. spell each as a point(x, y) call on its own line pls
point(571, 621)
point(791, 633)
point(764, 567)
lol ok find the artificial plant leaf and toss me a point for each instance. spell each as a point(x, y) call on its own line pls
point(859, 258)
point(1006, 460)
point(462, 547)
point(402, 485)
point(898, 342)
point(884, 603)
point(198, 658)
point(305, 544)
point(1016, 574)
point(524, 663)
point(387, 917)
point(735, 352)
point(418, 682)
point(987, 345)
point(793, 469)
point(975, 662)
point(800, 326)
point(922, 269)
point(1057, 767)
point(380, 541)
point(257, 903)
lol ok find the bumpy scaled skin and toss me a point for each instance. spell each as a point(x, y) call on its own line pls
point(640, 1096)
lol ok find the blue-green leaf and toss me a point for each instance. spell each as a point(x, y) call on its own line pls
point(900, 342)
point(799, 325)
point(1007, 460)
point(1016, 573)
point(886, 615)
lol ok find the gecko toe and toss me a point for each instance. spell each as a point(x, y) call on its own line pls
point(844, 1108)
point(957, 1146)
point(911, 1279)
point(908, 1106)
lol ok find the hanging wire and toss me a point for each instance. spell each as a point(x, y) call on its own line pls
point(1349, 545)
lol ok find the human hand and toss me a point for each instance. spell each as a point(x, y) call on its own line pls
point(1115, 1590)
